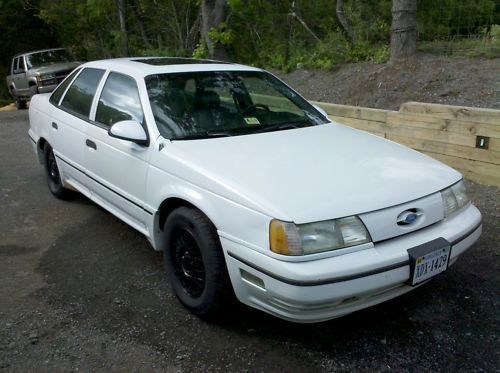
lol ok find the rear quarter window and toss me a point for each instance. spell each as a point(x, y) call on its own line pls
point(78, 98)
point(55, 98)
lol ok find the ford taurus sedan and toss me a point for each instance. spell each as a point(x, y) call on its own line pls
point(250, 190)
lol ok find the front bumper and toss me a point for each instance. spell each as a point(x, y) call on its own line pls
point(323, 289)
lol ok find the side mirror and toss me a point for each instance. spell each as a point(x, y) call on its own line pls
point(321, 110)
point(129, 130)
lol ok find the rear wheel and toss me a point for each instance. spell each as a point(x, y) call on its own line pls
point(195, 263)
point(53, 177)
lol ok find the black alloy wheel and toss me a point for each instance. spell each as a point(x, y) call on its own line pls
point(52, 171)
point(195, 263)
point(188, 262)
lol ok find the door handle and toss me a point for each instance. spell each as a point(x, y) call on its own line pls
point(91, 144)
point(54, 125)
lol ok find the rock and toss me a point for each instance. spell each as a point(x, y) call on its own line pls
point(33, 338)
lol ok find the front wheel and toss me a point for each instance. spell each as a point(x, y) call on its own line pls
point(195, 263)
point(20, 104)
point(52, 172)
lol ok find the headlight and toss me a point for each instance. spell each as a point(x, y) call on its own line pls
point(46, 79)
point(454, 198)
point(303, 239)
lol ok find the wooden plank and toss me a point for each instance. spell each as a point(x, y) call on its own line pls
point(444, 124)
point(449, 149)
point(465, 113)
point(494, 145)
point(357, 112)
point(410, 132)
point(481, 172)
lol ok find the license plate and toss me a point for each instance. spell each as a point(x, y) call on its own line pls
point(428, 260)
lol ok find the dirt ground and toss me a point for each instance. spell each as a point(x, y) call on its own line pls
point(440, 80)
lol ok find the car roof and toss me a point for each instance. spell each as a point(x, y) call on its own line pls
point(140, 67)
point(37, 51)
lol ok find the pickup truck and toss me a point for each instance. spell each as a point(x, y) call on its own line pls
point(38, 72)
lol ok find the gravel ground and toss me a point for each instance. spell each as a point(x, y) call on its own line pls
point(440, 80)
point(80, 290)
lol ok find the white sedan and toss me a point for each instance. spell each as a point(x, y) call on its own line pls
point(249, 189)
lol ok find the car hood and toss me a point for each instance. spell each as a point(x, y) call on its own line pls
point(56, 67)
point(309, 174)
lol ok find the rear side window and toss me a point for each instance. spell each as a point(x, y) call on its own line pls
point(80, 94)
point(59, 91)
point(15, 62)
point(119, 101)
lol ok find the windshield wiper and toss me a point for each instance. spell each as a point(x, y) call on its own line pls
point(283, 126)
point(200, 135)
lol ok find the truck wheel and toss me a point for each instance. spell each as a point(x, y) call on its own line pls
point(195, 263)
point(20, 104)
point(53, 177)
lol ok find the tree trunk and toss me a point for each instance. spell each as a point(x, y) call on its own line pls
point(122, 14)
point(213, 13)
point(403, 29)
point(140, 24)
point(343, 21)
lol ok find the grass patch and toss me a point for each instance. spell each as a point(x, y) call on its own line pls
point(5, 101)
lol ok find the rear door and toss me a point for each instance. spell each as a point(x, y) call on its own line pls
point(118, 168)
point(73, 98)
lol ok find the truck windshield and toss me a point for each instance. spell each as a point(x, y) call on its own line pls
point(48, 58)
point(203, 104)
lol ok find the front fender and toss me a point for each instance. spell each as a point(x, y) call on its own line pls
point(231, 220)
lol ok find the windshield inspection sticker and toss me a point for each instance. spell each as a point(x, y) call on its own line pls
point(252, 120)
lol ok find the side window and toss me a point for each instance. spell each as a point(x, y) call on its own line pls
point(14, 64)
point(59, 91)
point(81, 93)
point(119, 101)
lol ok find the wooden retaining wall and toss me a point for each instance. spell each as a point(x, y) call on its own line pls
point(444, 132)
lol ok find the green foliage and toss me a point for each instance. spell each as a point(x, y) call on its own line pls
point(266, 33)
point(222, 34)
point(200, 51)
point(448, 19)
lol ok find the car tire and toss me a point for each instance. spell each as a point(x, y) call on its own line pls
point(20, 104)
point(195, 263)
point(52, 172)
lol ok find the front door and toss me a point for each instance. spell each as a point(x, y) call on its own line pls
point(118, 168)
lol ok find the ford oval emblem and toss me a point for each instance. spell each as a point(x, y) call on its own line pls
point(408, 217)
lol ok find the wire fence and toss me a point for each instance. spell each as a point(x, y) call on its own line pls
point(459, 27)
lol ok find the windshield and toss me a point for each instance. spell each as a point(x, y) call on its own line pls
point(47, 58)
point(225, 103)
